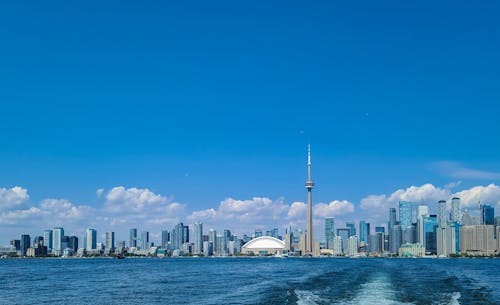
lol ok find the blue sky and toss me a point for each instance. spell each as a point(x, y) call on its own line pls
point(205, 101)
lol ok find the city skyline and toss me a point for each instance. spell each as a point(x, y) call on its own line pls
point(152, 115)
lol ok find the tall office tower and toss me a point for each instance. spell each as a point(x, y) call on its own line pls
point(344, 235)
point(309, 242)
point(329, 232)
point(441, 214)
point(364, 231)
point(487, 214)
point(133, 238)
point(16, 243)
point(110, 241)
point(392, 223)
point(227, 238)
point(198, 238)
point(395, 239)
point(185, 234)
point(47, 239)
point(352, 245)
point(64, 243)
point(430, 234)
point(73, 243)
point(57, 248)
point(38, 241)
point(212, 238)
point(25, 244)
point(337, 245)
point(144, 240)
point(405, 220)
point(352, 228)
point(258, 233)
point(91, 239)
point(165, 237)
point(405, 214)
point(422, 211)
point(456, 213)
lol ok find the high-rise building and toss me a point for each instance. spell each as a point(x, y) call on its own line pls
point(185, 234)
point(133, 238)
point(441, 214)
point(337, 245)
point(165, 238)
point(477, 240)
point(25, 244)
point(212, 238)
point(110, 241)
point(456, 212)
point(16, 243)
point(364, 231)
point(309, 242)
point(329, 232)
point(405, 214)
point(422, 211)
point(90, 239)
point(352, 245)
point(430, 234)
point(47, 239)
point(344, 235)
point(73, 243)
point(352, 228)
point(57, 248)
point(487, 214)
point(395, 239)
point(198, 238)
point(144, 240)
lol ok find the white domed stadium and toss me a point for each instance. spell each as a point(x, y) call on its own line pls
point(264, 245)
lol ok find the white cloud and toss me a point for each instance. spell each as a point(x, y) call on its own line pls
point(334, 208)
point(99, 193)
point(489, 194)
point(12, 197)
point(120, 199)
point(416, 194)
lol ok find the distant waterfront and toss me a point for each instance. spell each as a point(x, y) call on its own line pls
point(250, 281)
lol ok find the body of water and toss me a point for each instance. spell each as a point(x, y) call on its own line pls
point(250, 281)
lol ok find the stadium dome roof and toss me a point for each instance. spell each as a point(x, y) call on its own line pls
point(264, 242)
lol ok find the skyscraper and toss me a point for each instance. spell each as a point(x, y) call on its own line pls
point(198, 238)
point(329, 232)
point(57, 241)
point(456, 213)
point(344, 235)
point(165, 237)
point(487, 214)
point(47, 239)
point(405, 214)
point(110, 241)
point(25, 244)
point(430, 234)
point(91, 239)
point(73, 243)
point(352, 228)
point(309, 242)
point(364, 231)
point(133, 238)
point(422, 211)
point(144, 240)
point(441, 215)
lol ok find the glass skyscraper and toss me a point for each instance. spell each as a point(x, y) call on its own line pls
point(405, 214)
point(456, 213)
point(487, 214)
point(133, 238)
point(198, 238)
point(352, 228)
point(57, 241)
point(441, 214)
point(344, 235)
point(91, 239)
point(110, 241)
point(430, 231)
point(364, 231)
point(329, 232)
point(47, 239)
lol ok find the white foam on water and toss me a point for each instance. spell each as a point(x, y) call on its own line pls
point(454, 297)
point(377, 291)
point(305, 297)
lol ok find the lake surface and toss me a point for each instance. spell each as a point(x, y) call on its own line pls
point(250, 281)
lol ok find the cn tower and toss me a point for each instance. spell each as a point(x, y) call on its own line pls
point(309, 186)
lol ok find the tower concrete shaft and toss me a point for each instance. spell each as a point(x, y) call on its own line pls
point(309, 186)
